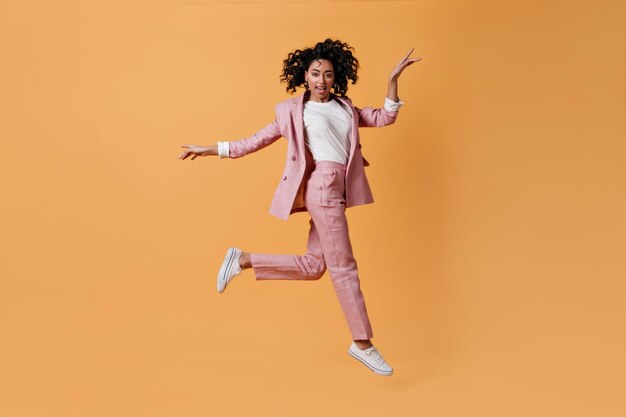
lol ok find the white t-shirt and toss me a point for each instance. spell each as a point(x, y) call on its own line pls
point(328, 127)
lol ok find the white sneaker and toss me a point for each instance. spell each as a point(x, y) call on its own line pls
point(371, 358)
point(230, 268)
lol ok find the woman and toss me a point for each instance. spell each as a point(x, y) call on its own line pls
point(324, 174)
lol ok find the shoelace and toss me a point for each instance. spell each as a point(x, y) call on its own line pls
point(375, 355)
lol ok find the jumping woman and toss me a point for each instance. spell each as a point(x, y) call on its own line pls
point(323, 174)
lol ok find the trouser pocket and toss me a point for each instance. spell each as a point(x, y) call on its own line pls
point(335, 214)
point(333, 201)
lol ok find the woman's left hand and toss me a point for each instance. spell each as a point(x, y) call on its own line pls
point(405, 62)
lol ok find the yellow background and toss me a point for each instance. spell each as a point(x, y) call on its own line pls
point(492, 261)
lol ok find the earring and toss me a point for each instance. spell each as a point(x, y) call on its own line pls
point(306, 85)
point(335, 87)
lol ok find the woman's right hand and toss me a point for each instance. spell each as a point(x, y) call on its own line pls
point(195, 151)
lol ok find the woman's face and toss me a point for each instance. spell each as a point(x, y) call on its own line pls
point(320, 76)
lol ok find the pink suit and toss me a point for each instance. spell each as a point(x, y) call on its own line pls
point(325, 189)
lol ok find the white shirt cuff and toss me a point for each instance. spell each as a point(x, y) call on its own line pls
point(393, 105)
point(223, 150)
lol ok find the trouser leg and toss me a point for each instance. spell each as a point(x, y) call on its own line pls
point(310, 266)
point(326, 204)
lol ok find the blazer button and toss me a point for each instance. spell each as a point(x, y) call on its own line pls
point(293, 158)
point(284, 177)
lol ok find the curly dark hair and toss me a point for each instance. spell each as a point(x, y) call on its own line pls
point(339, 53)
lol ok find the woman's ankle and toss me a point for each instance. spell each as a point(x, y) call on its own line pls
point(244, 261)
point(363, 344)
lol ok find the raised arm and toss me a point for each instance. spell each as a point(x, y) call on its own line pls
point(392, 88)
point(377, 117)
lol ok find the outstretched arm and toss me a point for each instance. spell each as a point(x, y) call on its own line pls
point(261, 139)
point(195, 151)
point(237, 148)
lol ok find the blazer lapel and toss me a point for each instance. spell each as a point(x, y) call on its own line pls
point(297, 116)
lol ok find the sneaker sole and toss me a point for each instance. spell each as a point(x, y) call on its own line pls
point(225, 269)
point(376, 371)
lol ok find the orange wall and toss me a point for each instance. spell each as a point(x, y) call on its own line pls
point(492, 261)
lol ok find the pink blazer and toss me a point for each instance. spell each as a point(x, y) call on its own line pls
point(289, 195)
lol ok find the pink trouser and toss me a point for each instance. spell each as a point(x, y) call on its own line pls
point(328, 247)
